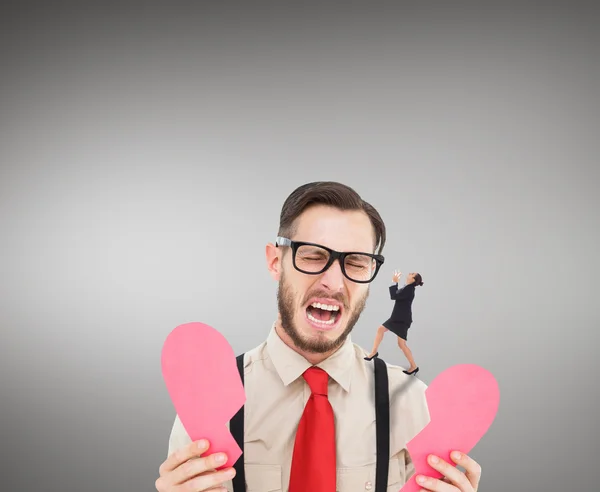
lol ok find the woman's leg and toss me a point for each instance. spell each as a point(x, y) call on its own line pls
point(378, 338)
point(407, 354)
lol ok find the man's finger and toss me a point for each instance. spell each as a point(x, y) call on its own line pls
point(175, 459)
point(197, 467)
point(454, 476)
point(434, 484)
point(210, 480)
point(472, 468)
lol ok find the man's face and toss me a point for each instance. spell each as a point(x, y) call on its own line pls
point(301, 297)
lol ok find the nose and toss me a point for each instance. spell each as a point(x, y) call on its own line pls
point(333, 278)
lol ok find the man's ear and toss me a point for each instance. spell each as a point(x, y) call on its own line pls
point(273, 254)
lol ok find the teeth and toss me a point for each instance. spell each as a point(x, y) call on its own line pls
point(326, 307)
point(314, 320)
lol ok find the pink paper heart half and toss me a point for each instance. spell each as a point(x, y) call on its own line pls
point(200, 372)
point(463, 402)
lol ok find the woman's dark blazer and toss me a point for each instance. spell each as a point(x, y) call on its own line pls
point(403, 297)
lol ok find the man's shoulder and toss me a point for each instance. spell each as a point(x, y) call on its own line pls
point(396, 377)
point(255, 354)
point(398, 380)
point(409, 412)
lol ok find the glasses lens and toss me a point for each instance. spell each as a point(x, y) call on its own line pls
point(360, 267)
point(311, 259)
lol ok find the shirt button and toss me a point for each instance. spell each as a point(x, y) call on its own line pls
point(368, 486)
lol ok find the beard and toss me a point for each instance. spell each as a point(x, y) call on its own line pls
point(285, 303)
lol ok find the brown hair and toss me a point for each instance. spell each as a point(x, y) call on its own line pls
point(328, 193)
point(418, 280)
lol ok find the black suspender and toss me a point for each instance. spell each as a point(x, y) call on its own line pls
point(382, 425)
point(236, 427)
point(382, 429)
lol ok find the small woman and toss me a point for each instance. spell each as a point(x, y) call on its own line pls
point(401, 318)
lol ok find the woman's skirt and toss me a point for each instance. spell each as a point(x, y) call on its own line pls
point(399, 328)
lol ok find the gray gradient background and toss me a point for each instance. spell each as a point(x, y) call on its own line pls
point(138, 144)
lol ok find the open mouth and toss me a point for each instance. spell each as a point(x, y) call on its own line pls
point(323, 315)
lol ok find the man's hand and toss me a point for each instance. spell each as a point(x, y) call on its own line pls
point(187, 470)
point(396, 276)
point(455, 480)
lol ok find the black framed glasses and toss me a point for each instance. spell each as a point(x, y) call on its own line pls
point(314, 259)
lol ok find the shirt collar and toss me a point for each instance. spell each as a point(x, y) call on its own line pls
point(290, 365)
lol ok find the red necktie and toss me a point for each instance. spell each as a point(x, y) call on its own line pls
point(313, 461)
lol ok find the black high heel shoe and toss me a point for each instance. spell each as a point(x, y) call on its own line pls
point(371, 358)
point(415, 371)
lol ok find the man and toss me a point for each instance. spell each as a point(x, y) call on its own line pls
point(310, 413)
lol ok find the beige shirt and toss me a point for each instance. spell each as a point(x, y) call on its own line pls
point(276, 396)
